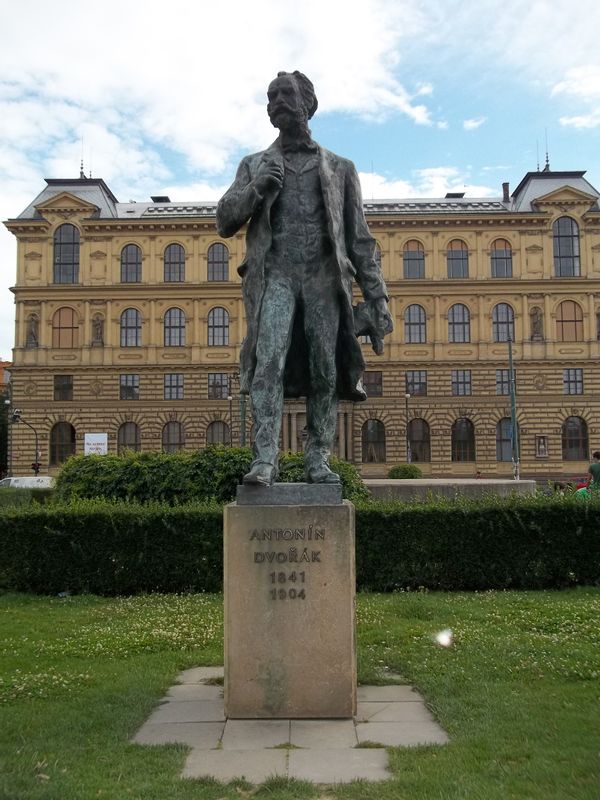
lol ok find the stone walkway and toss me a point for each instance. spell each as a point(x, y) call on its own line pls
point(321, 751)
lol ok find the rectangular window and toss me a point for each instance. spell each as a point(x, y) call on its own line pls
point(174, 386)
point(63, 387)
point(129, 387)
point(416, 383)
point(218, 385)
point(573, 381)
point(461, 382)
point(502, 381)
point(373, 383)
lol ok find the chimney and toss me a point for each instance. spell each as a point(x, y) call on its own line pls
point(505, 193)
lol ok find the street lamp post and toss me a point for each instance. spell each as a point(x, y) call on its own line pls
point(513, 414)
point(408, 450)
point(16, 417)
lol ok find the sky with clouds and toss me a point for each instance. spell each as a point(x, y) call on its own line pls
point(425, 96)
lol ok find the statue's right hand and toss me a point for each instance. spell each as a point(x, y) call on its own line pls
point(268, 177)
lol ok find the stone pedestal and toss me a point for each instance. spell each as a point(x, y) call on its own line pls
point(289, 587)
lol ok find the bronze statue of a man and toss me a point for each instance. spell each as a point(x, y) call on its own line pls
point(307, 240)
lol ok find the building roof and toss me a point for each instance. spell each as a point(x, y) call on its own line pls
point(523, 200)
point(539, 184)
point(91, 190)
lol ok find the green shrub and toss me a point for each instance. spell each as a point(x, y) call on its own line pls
point(209, 474)
point(124, 548)
point(405, 471)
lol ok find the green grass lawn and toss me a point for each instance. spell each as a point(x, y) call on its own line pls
point(517, 692)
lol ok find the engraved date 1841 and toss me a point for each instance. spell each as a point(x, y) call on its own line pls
point(291, 593)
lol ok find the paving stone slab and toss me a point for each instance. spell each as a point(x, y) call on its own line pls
point(386, 694)
point(193, 691)
point(323, 734)
point(199, 674)
point(339, 766)
point(255, 734)
point(401, 734)
point(255, 766)
point(404, 711)
point(192, 711)
point(200, 735)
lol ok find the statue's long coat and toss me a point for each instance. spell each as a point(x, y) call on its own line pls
point(353, 248)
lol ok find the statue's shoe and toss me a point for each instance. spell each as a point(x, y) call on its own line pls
point(261, 474)
point(322, 474)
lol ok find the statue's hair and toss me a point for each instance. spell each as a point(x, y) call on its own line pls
point(307, 90)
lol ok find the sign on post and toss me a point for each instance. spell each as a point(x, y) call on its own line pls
point(95, 444)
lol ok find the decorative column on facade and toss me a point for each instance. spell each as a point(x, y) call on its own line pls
point(20, 324)
point(294, 432)
point(483, 322)
point(87, 324)
point(524, 334)
point(285, 431)
point(44, 339)
point(549, 332)
point(108, 326)
point(349, 435)
point(153, 340)
point(342, 434)
point(437, 320)
point(592, 315)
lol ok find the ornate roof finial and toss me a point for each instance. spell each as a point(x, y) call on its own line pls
point(81, 172)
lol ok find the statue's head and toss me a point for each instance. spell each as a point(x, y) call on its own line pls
point(292, 100)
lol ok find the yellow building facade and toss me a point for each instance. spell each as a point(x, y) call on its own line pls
point(129, 322)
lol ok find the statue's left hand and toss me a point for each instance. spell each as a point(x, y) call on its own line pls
point(384, 323)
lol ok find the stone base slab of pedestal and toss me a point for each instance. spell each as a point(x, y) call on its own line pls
point(321, 751)
point(289, 593)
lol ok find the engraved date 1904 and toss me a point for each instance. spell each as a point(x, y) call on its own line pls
point(291, 593)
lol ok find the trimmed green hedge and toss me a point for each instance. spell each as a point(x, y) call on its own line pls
point(125, 548)
point(200, 476)
point(13, 496)
point(404, 471)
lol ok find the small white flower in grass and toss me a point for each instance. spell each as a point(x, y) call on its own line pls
point(444, 638)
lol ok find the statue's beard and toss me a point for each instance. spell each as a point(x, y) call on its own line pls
point(288, 119)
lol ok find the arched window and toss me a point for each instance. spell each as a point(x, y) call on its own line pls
point(174, 263)
point(373, 442)
point(218, 433)
point(66, 254)
point(65, 328)
point(463, 440)
point(457, 259)
point(174, 328)
point(419, 439)
point(131, 328)
point(575, 444)
point(218, 327)
point(459, 323)
point(415, 325)
point(569, 322)
point(62, 443)
point(565, 239)
point(504, 440)
point(503, 323)
point(413, 260)
point(131, 264)
point(218, 262)
point(173, 437)
point(501, 258)
point(129, 438)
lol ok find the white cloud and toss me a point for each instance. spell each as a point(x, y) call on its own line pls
point(428, 182)
point(473, 124)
